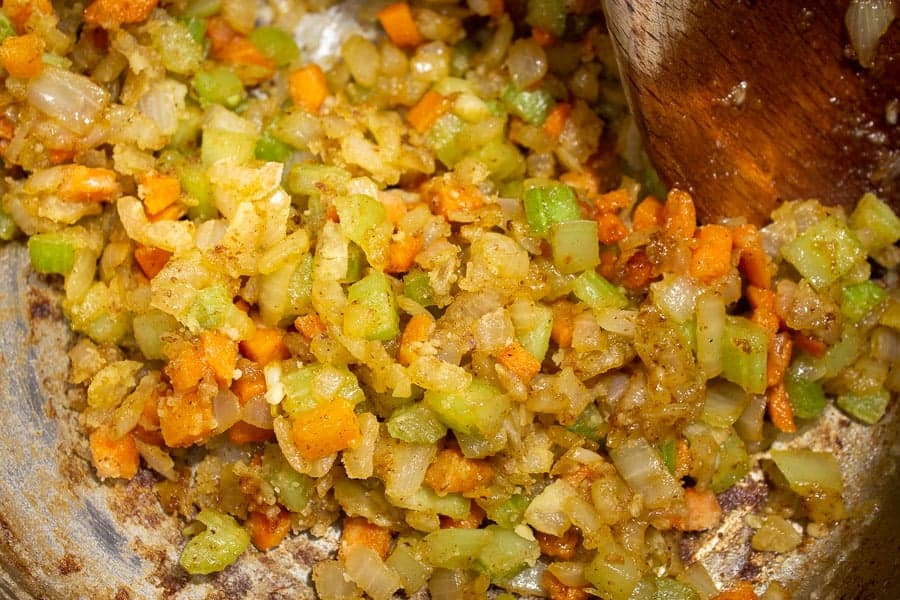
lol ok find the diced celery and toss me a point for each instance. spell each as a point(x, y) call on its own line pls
point(202, 8)
point(416, 424)
point(52, 252)
point(841, 355)
point(426, 500)
point(356, 263)
point(363, 220)
point(808, 472)
point(875, 223)
point(477, 446)
point(477, 410)
point(531, 105)
point(509, 513)
point(442, 138)
point(546, 205)
point(687, 331)
point(210, 307)
point(187, 133)
point(220, 86)
point(533, 324)
point(549, 15)
point(6, 27)
point(589, 424)
point(275, 43)
point(868, 408)
point(293, 489)
point(270, 148)
point(663, 588)
point(824, 252)
point(298, 389)
point(507, 553)
point(614, 573)
point(181, 52)
point(371, 313)
point(417, 286)
point(502, 159)
point(149, 329)
point(311, 385)
point(219, 545)
point(196, 26)
point(744, 354)
point(314, 179)
point(860, 299)
point(299, 289)
point(594, 290)
point(408, 565)
point(668, 452)
point(221, 144)
point(8, 227)
point(807, 397)
point(195, 183)
point(575, 246)
point(733, 465)
point(454, 548)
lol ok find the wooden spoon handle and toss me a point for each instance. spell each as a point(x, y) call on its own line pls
point(748, 104)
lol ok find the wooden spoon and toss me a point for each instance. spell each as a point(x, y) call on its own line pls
point(750, 103)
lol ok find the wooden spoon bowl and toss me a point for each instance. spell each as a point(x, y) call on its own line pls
point(750, 103)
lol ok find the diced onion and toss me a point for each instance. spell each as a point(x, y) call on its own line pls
point(366, 568)
point(157, 459)
point(256, 412)
point(867, 21)
point(226, 410)
point(72, 99)
point(645, 473)
point(527, 62)
point(332, 582)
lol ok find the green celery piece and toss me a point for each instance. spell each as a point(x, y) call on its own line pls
point(219, 144)
point(213, 549)
point(511, 512)
point(416, 424)
point(824, 252)
point(809, 473)
point(867, 408)
point(614, 573)
point(202, 8)
point(550, 204)
point(507, 553)
point(417, 286)
point(219, 86)
point(8, 227)
point(533, 329)
point(275, 43)
point(841, 355)
point(549, 15)
point(360, 215)
point(531, 105)
point(442, 138)
point(876, 223)
point(6, 27)
point(188, 132)
point(270, 148)
point(744, 354)
point(315, 179)
point(195, 183)
point(454, 548)
point(179, 49)
point(300, 286)
point(860, 299)
point(149, 329)
point(425, 499)
point(311, 385)
point(733, 465)
point(663, 588)
point(502, 159)
point(196, 26)
point(667, 451)
point(52, 252)
point(687, 330)
point(210, 307)
point(298, 388)
point(575, 246)
point(293, 489)
point(594, 290)
point(477, 410)
point(356, 263)
point(589, 423)
point(372, 310)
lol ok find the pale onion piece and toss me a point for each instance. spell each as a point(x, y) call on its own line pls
point(157, 459)
point(275, 209)
point(432, 373)
point(81, 277)
point(749, 425)
point(447, 584)
point(494, 331)
point(584, 517)
point(332, 257)
point(210, 233)
point(528, 583)
point(226, 410)
point(314, 468)
point(112, 383)
point(237, 253)
point(644, 472)
point(545, 512)
point(401, 465)
point(359, 461)
point(698, 578)
point(366, 568)
point(174, 236)
point(256, 412)
point(275, 391)
point(867, 21)
point(332, 582)
point(526, 62)
point(777, 534)
point(724, 404)
point(622, 322)
point(72, 99)
point(675, 296)
point(163, 103)
point(289, 249)
point(710, 329)
point(129, 412)
point(128, 125)
point(568, 573)
point(233, 184)
point(886, 345)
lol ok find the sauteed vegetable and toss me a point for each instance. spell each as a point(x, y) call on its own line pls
point(427, 290)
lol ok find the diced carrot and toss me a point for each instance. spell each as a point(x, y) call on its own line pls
point(109, 13)
point(359, 531)
point(402, 253)
point(220, 353)
point(451, 472)
point(265, 345)
point(417, 330)
point(542, 37)
point(310, 325)
point(7, 128)
point(609, 260)
point(520, 361)
point(187, 368)
point(151, 260)
point(610, 228)
point(778, 358)
point(563, 323)
point(448, 199)
point(158, 191)
point(575, 477)
point(556, 119)
point(22, 55)
point(326, 429)
point(397, 21)
point(89, 184)
point(764, 313)
point(559, 546)
point(679, 215)
point(780, 410)
point(648, 215)
point(245, 433)
point(473, 519)
point(427, 111)
point(756, 265)
point(612, 201)
point(742, 591)
point(308, 88)
point(60, 156)
point(393, 204)
point(19, 11)
point(267, 532)
point(186, 418)
point(234, 48)
point(682, 458)
point(251, 383)
point(812, 346)
point(242, 305)
point(114, 457)
point(149, 419)
point(702, 511)
point(637, 273)
point(172, 212)
point(560, 591)
point(711, 256)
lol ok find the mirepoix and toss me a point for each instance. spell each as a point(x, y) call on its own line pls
point(428, 290)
